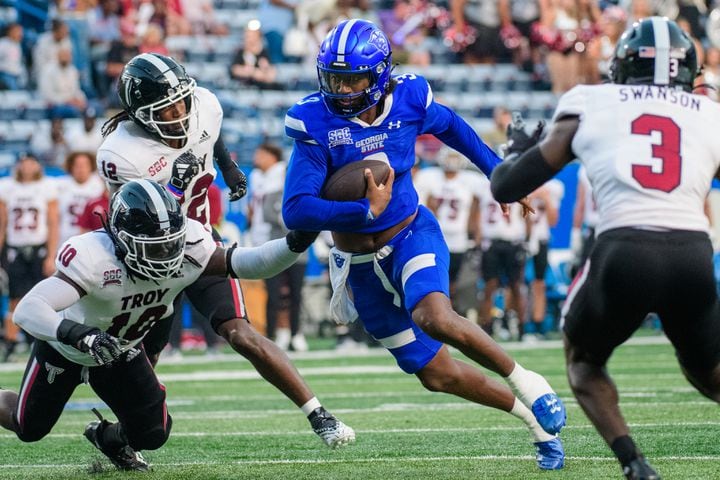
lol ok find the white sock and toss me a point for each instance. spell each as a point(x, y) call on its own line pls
point(523, 413)
point(310, 405)
point(528, 386)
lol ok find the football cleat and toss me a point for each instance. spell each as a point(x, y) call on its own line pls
point(550, 413)
point(550, 455)
point(640, 469)
point(123, 457)
point(332, 431)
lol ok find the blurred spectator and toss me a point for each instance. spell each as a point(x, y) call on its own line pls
point(404, 27)
point(284, 291)
point(60, 87)
point(50, 146)
point(75, 14)
point(12, 66)
point(516, 35)
point(357, 9)
point(153, 41)
point(602, 48)
point(251, 65)
point(687, 28)
point(564, 30)
point(200, 14)
point(104, 23)
point(498, 135)
point(86, 137)
point(640, 9)
point(120, 53)
point(75, 190)
point(710, 80)
point(48, 45)
point(484, 17)
point(276, 18)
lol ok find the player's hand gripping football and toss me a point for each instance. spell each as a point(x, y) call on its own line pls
point(236, 181)
point(185, 167)
point(518, 141)
point(378, 195)
point(102, 347)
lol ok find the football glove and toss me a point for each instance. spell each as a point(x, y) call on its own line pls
point(102, 347)
point(518, 140)
point(185, 167)
point(236, 181)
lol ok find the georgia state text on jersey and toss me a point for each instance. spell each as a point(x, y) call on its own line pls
point(131, 153)
point(72, 198)
point(650, 153)
point(27, 210)
point(325, 142)
point(125, 308)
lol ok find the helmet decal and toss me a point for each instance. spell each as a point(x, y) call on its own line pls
point(380, 41)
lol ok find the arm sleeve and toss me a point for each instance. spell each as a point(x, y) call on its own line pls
point(455, 132)
point(37, 312)
point(265, 261)
point(303, 209)
point(518, 177)
point(222, 156)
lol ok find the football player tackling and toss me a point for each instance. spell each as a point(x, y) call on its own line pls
point(110, 287)
point(388, 251)
point(169, 132)
point(645, 142)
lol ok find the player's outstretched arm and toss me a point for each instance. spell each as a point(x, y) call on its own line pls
point(264, 261)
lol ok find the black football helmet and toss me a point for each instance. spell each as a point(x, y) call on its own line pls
point(150, 83)
point(655, 51)
point(148, 229)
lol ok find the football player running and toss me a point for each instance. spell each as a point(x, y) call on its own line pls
point(388, 251)
point(109, 289)
point(645, 142)
point(169, 132)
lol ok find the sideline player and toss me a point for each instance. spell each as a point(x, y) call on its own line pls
point(109, 289)
point(169, 131)
point(645, 144)
point(390, 252)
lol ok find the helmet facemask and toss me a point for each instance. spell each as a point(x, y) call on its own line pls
point(352, 104)
point(155, 258)
point(175, 129)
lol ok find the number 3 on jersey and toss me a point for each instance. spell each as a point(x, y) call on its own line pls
point(668, 150)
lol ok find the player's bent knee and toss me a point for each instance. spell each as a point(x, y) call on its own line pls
point(152, 438)
point(29, 435)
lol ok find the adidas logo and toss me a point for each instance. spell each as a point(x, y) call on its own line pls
point(204, 136)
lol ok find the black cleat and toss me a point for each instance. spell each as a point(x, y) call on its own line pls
point(123, 457)
point(640, 469)
point(332, 431)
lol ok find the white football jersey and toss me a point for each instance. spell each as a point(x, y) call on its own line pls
point(650, 153)
point(423, 181)
point(496, 226)
point(540, 227)
point(590, 213)
point(27, 211)
point(125, 308)
point(72, 198)
point(131, 153)
point(454, 198)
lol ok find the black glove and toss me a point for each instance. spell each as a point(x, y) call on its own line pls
point(185, 167)
point(102, 347)
point(519, 141)
point(236, 181)
point(299, 240)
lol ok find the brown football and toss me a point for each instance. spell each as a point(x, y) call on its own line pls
point(349, 182)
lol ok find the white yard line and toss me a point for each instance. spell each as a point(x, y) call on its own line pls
point(451, 458)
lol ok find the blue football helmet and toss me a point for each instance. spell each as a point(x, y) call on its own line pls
point(356, 52)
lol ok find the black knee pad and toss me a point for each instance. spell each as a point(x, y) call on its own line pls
point(151, 439)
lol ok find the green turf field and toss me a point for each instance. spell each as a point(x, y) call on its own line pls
point(228, 423)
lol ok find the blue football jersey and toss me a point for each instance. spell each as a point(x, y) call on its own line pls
point(325, 142)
